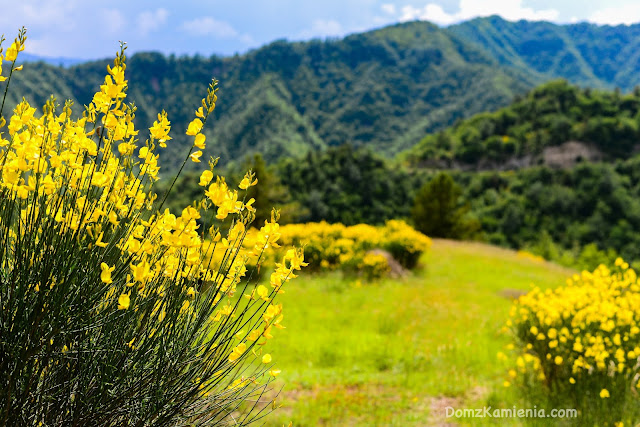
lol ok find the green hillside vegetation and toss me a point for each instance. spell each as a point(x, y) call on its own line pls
point(579, 216)
point(340, 184)
point(585, 54)
point(384, 89)
point(350, 186)
point(601, 125)
point(438, 212)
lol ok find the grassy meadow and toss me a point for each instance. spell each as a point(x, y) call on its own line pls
point(398, 352)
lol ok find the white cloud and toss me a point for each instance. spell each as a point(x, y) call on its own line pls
point(388, 8)
point(114, 20)
point(627, 13)
point(208, 26)
point(431, 12)
point(512, 10)
point(58, 27)
point(327, 27)
point(45, 47)
point(247, 39)
point(47, 14)
point(149, 20)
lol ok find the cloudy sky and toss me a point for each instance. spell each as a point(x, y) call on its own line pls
point(90, 29)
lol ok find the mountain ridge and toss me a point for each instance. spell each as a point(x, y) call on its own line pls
point(584, 62)
point(384, 89)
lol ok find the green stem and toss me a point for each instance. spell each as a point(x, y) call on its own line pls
point(6, 89)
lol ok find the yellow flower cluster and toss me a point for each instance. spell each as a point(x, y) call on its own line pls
point(586, 333)
point(336, 246)
point(95, 181)
point(374, 265)
point(52, 160)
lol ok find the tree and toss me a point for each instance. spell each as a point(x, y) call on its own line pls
point(438, 212)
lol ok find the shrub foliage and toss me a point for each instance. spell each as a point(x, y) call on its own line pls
point(336, 246)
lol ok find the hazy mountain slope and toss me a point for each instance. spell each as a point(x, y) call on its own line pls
point(265, 121)
point(59, 61)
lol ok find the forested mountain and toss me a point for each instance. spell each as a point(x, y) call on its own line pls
point(384, 89)
point(556, 124)
point(585, 54)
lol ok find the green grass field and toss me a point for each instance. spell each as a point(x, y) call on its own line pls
point(399, 352)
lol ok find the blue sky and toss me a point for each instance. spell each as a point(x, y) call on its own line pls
point(89, 29)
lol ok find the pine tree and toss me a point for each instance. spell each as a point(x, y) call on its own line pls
point(437, 210)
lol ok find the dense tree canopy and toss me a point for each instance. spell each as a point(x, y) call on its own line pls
point(349, 186)
point(601, 124)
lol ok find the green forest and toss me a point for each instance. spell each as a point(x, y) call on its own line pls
point(384, 89)
point(602, 125)
point(572, 210)
point(555, 212)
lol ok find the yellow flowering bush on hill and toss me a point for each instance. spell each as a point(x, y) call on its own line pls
point(581, 341)
point(336, 246)
point(110, 311)
point(374, 265)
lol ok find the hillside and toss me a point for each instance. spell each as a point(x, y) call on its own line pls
point(384, 89)
point(58, 61)
point(585, 54)
point(556, 124)
point(556, 172)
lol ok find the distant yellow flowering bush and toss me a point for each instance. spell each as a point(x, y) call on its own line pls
point(111, 313)
point(374, 265)
point(336, 246)
point(581, 341)
point(405, 244)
